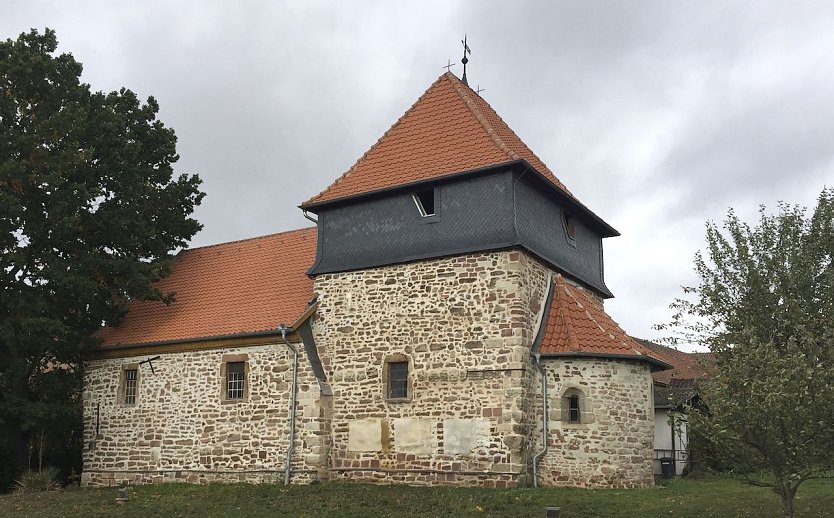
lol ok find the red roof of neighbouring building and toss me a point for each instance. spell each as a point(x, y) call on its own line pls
point(449, 130)
point(686, 366)
point(577, 324)
point(231, 288)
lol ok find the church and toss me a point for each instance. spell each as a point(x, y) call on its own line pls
point(442, 323)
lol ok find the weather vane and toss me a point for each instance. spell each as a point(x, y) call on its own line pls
point(465, 60)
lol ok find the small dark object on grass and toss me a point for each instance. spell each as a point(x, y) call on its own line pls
point(121, 495)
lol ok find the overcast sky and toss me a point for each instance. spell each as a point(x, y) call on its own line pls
point(657, 115)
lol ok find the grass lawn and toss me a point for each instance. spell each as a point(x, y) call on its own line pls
point(718, 497)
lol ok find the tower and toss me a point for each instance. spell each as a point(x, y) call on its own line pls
point(456, 276)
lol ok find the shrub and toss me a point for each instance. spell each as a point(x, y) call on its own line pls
point(47, 479)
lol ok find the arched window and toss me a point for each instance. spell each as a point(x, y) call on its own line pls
point(575, 408)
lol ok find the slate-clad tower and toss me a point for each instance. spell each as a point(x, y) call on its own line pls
point(439, 261)
point(485, 188)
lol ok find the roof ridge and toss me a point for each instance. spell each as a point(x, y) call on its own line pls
point(588, 313)
point(214, 245)
point(566, 318)
point(504, 146)
point(608, 332)
point(375, 144)
point(491, 132)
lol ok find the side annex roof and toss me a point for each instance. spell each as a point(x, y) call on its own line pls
point(575, 324)
point(223, 290)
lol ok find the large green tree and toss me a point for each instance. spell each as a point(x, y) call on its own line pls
point(765, 307)
point(90, 213)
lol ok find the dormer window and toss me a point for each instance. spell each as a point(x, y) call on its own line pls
point(570, 227)
point(425, 202)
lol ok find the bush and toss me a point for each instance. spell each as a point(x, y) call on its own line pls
point(48, 479)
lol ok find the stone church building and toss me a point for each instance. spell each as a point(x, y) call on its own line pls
point(442, 323)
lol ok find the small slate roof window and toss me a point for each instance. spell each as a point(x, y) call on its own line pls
point(570, 227)
point(425, 202)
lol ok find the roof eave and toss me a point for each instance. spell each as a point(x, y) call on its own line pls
point(211, 338)
point(311, 309)
point(657, 365)
point(605, 229)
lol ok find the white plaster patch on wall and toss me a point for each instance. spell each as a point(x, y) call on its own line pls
point(414, 436)
point(365, 435)
point(463, 436)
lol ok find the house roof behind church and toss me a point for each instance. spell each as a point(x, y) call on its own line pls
point(227, 289)
point(675, 394)
point(449, 130)
point(575, 324)
point(686, 366)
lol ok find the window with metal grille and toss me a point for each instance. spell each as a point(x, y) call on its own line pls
point(235, 380)
point(574, 409)
point(130, 386)
point(398, 380)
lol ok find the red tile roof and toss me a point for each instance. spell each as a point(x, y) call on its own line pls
point(686, 366)
point(238, 287)
point(577, 324)
point(450, 129)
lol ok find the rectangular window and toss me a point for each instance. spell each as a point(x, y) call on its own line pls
point(398, 380)
point(130, 386)
point(574, 409)
point(235, 380)
point(425, 202)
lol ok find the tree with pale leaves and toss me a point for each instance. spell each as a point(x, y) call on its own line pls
point(765, 308)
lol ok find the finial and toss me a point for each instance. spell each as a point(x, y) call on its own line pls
point(465, 60)
point(449, 65)
point(478, 90)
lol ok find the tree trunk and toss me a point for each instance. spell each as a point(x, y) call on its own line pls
point(787, 494)
point(16, 446)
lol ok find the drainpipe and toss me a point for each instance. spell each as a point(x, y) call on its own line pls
point(288, 459)
point(537, 456)
point(311, 218)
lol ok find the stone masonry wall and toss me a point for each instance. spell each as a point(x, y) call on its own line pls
point(613, 444)
point(180, 429)
point(464, 326)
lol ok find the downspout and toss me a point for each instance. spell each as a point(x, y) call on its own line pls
point(537, 456)
point(311, 218)
point(288, 459)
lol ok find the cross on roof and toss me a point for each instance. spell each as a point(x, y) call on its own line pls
point(448, 65)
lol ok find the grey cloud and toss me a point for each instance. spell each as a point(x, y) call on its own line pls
point(657, 115)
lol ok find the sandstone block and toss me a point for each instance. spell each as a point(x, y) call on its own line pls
point(413, 436)
point(462, 436)
point(365, 435)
